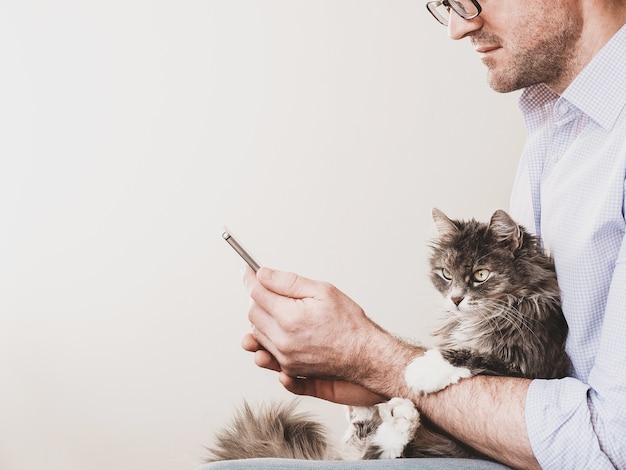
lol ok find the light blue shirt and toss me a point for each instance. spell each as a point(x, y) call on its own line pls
point(570, 190)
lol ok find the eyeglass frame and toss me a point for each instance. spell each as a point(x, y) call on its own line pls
point(432, 6)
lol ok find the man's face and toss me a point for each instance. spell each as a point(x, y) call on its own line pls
point(524, 43)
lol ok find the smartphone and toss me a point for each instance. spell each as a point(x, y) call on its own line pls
point(226, 235)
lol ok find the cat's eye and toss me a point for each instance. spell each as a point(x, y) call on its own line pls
point(481, 275)
point(447, 275)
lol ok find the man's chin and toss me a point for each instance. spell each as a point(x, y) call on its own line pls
point(500, 83)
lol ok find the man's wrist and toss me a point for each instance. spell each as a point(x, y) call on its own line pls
point(385, 363)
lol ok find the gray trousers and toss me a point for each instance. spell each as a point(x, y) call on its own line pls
point(387, 464)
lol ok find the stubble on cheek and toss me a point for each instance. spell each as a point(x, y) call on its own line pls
point(524, 62)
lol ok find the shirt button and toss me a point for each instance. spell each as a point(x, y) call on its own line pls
point(562, 109)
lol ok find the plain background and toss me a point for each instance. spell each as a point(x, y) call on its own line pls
point(322, 132)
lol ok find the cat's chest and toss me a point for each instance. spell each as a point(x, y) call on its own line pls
point(472, 338)
point(465, 334)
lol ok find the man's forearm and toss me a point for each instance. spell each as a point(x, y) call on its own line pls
point(486, 413)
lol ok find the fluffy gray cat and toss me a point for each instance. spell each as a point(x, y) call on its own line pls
point(502, 316)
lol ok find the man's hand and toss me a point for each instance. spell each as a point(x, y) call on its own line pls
point(321, 341)
point(345, 393)
point(309, 327)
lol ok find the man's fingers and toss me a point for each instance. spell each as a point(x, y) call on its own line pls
point(264, 359)
point(268, 309)
point(335, 391)
point(287, 284)
point(264, 300)
point(250, 344)
point(276, 294)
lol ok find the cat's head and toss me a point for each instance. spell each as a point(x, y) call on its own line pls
point(473, 264)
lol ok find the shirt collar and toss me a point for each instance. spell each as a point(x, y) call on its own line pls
point(597, 91)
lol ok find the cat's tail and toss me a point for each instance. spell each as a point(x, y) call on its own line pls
point(275, 430)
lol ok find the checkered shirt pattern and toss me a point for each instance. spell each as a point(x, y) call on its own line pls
point(570, 190)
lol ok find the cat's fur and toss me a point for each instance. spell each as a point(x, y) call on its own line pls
point(502, 316)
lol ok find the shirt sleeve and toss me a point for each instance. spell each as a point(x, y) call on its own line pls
point(575, 425)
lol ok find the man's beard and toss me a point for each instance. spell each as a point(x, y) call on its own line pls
point(549, 61)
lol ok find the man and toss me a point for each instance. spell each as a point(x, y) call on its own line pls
point(570, 57)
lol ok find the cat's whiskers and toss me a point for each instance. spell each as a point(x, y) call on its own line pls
point(503, 310)
point(488, 316)
point(508, 311)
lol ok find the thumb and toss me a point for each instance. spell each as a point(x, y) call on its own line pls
point(287, 284)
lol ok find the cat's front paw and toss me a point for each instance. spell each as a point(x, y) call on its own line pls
point(431, 372)
point(399, 420)
point(400, 413)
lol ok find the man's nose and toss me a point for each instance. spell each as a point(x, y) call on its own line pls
point(459, 27)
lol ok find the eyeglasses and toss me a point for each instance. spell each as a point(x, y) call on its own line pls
point(466, 9)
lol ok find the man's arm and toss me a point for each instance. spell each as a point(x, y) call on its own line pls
point(486, 413)
point(303, 328)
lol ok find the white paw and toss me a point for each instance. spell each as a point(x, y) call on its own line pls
point(431, 373)
point(400, 419)
point(400, 413)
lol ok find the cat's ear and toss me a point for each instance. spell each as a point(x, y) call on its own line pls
point(444, 225)
point(506, 230)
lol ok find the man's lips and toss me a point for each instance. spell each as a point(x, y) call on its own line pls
point(486, 50)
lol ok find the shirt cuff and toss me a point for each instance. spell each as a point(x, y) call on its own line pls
point(559, 425)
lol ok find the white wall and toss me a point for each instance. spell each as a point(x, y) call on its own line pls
point(321, 131)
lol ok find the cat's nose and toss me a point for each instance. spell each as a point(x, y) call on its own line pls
point(457, 300)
